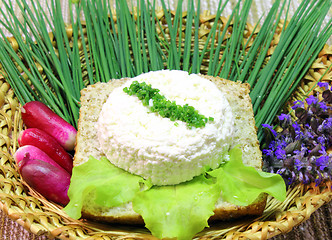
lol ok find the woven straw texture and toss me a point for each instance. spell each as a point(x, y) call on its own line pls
point(42, 217)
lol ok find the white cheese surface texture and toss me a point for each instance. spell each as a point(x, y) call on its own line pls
point(156, 148)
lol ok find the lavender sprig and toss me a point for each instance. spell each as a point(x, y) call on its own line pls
point(299, 151)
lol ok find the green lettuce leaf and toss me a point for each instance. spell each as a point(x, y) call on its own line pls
point(241, 185)
point(178, 211)
point(109, 186)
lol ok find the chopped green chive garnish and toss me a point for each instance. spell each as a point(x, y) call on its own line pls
point(158, 103)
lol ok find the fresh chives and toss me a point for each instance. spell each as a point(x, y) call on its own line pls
point(188, 36)
point(158, 103)
point(195, 54)
point(123, 42)
point(299, 45)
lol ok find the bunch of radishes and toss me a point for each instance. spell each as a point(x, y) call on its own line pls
point(43, 158)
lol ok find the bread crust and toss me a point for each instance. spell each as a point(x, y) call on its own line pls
point(220, 213)
point(130, 219)
point(92, 99)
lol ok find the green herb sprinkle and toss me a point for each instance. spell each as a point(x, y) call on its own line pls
point(158, 103)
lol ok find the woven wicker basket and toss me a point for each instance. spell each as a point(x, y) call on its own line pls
point(40, 216)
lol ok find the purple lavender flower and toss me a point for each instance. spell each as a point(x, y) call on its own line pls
point(270, 128)
point(297, 127)
point(321, 140)
point(323, 106)
point(298, 152)
point(298, 104)
point(326, 126)
point(311, 100)
point(284, 116)
point(323, 85)
point(280, 153)
point(298, 164)
point(322, 162)
point(285, 120)
point(267, 152)
point(322, 150)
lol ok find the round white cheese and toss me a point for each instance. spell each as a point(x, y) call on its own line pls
point(156, 148)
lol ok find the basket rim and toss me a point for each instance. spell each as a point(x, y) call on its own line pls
point(303, 206)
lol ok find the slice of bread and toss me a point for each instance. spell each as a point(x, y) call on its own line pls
point(94, 96)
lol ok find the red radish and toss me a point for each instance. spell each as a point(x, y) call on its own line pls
point(33, 153)
point(36, 114)
point(50, 181)
point(46, 143)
